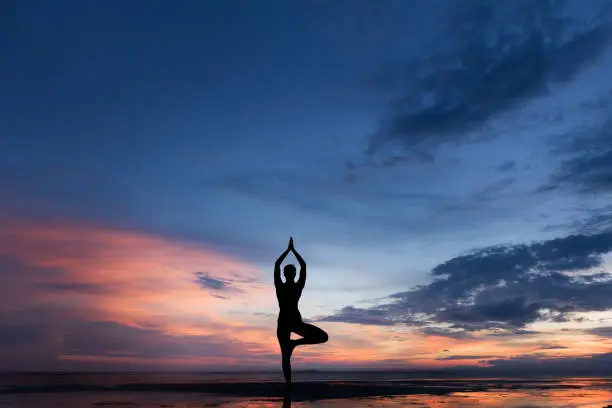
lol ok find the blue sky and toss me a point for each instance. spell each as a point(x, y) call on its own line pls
point(387, 137)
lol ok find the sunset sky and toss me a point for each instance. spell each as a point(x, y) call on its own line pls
point(445, 169)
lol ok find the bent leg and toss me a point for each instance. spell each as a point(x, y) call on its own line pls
point(284, 340)
point(311, 334)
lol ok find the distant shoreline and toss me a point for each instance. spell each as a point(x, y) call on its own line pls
point(299, 376)
point(419, 374)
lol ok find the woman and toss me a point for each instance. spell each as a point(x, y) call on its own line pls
point(289, 317)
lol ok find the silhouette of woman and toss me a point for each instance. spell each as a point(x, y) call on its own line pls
point(289, 317)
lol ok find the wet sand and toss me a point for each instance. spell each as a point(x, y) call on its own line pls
point(587, 393)
point(508, 399)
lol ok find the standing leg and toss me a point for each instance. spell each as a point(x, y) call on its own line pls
point(284, 340)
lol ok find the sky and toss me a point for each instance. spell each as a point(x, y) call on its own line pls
point(445, 168)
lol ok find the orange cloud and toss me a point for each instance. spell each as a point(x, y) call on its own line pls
point(129, 272)
point(131, 278)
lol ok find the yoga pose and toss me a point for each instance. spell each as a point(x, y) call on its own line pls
point(289, 317)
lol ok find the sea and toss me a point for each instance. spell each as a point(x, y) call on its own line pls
point(310, 389)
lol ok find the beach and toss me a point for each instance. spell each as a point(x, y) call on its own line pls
point(182, 391)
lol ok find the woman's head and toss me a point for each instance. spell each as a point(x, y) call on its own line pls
point(289, 272)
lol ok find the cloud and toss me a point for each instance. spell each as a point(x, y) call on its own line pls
point(350, 314)
point(602, 331)
point(494, 57)
point(534, 364)
point(444, 332)
point(452, 358)
point(208, 282)
point(379, 207)
point(507, 166)
point(585, 170)
point(598, 220)
point(589, 221)
point(113, 339)
point(57, 337)
point(501, 289)
point(511, 332)
point(319, 192)
point(538, 364)
point(65, 257)
point(552, 347)
point(587, 164)
point(106, 295)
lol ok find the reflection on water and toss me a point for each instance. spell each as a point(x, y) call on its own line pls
point(592, 394)
point(511, 399)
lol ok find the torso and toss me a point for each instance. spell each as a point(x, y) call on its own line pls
point(288, 298)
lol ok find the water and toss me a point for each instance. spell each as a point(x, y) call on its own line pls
point(313, 389)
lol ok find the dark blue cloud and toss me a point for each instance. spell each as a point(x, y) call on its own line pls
point(602, 331)
point(585, 171)
point(496, 57)
point(501, 288)
point(587, 162)
point(206, 281)
point(588, 221)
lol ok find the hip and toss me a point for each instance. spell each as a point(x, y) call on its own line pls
point(289, 316)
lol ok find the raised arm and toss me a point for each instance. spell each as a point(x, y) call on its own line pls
point(302, 279)
point(277, 265)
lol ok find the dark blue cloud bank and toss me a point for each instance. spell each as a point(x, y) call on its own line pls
point(495, 58)
point(501, 289)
